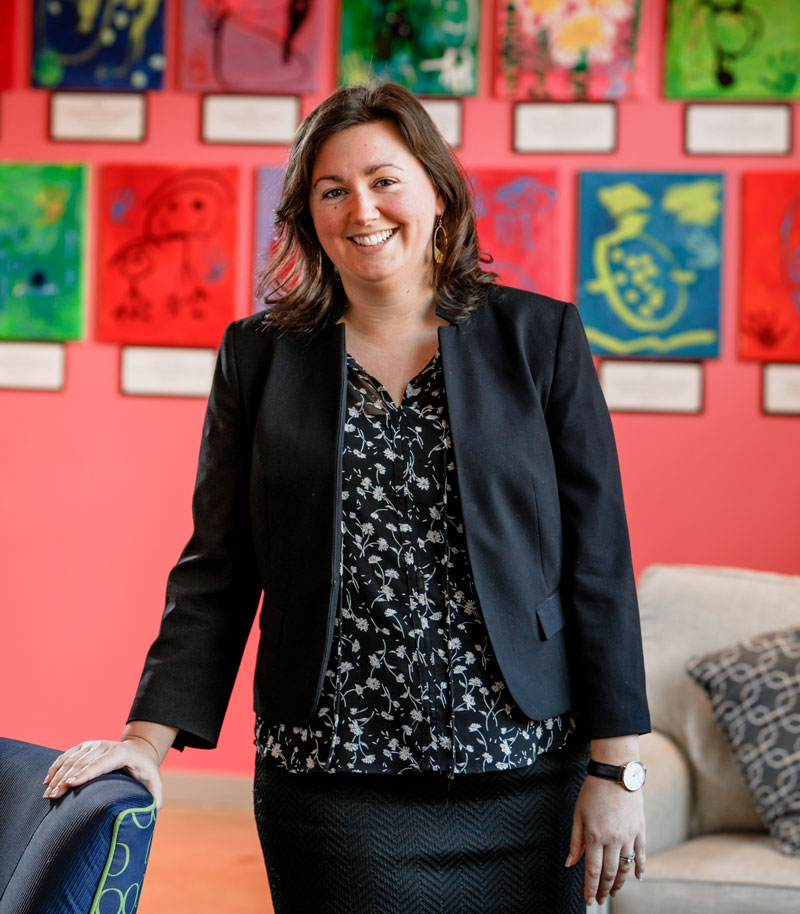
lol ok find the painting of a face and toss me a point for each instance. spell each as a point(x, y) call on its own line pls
point(167, 253)
point(185, 211)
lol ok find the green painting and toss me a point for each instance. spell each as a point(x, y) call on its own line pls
point(429, 47)
point(41, 251)
point(744, 49)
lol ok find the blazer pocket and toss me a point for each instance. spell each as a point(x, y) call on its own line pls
point(550, 615)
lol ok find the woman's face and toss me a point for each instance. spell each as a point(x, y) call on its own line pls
point(374, 209)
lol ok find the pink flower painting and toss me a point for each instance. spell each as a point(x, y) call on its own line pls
point(566, 50)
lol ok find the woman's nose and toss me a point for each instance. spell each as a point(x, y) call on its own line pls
point(365, 209)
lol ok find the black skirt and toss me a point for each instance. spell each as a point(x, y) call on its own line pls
point(491, 843)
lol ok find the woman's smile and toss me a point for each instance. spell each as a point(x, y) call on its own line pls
point(373, 240)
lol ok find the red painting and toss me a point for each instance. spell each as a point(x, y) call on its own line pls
point(769, 313)
point(7, 37)
point(250, 45)
point(167, 240)
point(516, 225)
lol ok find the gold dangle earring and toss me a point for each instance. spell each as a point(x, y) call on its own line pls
point(439, 241)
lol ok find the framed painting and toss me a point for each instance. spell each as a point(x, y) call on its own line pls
point(430, 48)
point(7, 42)
point(247, 46)
point(516, 225)
point(748, 49)
point(167, 253)
point(269, 186)
point(566, 50)
point(769, 309)
point(42, 219)
point(650, 249)
point(99, 45)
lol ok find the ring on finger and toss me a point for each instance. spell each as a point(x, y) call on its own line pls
point(627, 858)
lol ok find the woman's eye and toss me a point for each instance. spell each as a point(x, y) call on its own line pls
point(385, 182)
point(333, 192)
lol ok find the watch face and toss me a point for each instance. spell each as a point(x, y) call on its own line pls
point(633, 776)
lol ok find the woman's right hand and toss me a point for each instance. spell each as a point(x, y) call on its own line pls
point(137, 755)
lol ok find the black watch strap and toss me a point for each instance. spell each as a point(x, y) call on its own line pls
point(601, 770)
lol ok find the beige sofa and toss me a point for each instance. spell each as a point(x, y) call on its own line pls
point(708, 850)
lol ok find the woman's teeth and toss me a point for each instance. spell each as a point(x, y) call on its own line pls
point(377, 238)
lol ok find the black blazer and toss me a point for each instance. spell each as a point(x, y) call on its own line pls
point(543, 514)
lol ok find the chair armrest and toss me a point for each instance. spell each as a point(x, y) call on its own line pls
point(667, 793)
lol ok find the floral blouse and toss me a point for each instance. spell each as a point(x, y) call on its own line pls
point(412, 683)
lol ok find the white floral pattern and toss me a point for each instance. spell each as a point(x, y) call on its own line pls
point(412, 683)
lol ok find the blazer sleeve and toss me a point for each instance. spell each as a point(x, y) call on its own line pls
point(607, 667)
point(213, 590)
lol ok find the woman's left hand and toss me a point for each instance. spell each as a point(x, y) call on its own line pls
point(608, 823)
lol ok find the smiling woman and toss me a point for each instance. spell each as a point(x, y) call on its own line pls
point(300, 284)
point(415, 467)
point(374, 209)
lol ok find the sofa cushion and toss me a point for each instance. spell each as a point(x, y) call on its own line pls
point(736, 873)
point(688, 610)
point(754, 687)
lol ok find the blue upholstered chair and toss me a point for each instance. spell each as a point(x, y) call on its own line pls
point(83, 854)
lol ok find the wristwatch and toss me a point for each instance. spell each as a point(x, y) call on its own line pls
point(631, 776)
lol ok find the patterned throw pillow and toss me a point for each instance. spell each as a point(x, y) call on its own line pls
point(754, 686)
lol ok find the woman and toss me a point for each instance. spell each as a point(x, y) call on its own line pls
point(416, 467)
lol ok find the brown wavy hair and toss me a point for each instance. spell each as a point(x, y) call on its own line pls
point(299, 285)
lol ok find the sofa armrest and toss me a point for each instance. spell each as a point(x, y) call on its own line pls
point(667, 793)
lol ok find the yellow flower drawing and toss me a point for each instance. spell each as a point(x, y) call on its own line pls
point(587, 35)
point(544, 6)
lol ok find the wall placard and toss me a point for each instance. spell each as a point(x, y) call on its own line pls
point(780, 390)
point(446, 113)
point(108, 117)
point(734, 129)
point(652, 387)
point(32, 366)
point(268, 119)
point(166, 371)
point(573, 127)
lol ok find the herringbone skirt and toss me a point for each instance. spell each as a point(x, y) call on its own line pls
point(491, 843)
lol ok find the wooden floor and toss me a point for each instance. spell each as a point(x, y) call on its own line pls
point(205, 861)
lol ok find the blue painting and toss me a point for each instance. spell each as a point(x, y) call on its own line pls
point(269, 186)
point(98, 44)
point(650, 250)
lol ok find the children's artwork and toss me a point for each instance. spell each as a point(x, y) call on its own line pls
point(649, 270)
point(769, 316)
point(566, 49)
point(41, 251)
point(516, 225)
point(250, 45)
point(430, 48)
point(8, 37)
point(94, 44)
point(269, 185)
point(733, 49)
point(167, 254)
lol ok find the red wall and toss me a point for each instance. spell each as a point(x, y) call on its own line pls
point(96, 486)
